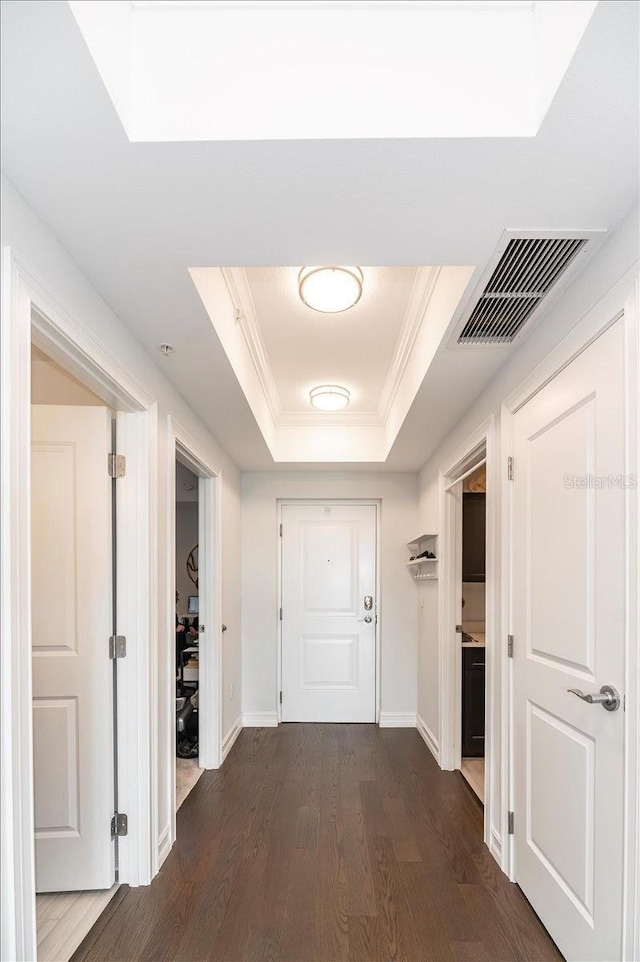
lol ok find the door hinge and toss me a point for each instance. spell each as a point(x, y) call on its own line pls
point(510, 468)
point(280, 697)
point(280, 614)
point(509, 646)
point(459, 629)
point(510, 823)
point(117, 646)
point(116, 465)
point(280, 530)
point(119, 825)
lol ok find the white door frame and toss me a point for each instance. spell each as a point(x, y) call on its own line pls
point(377, 504)
point(183, 446)
point(29, 310)
point(621, 302)
point(477, 447)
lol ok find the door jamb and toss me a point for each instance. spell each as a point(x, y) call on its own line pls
point(478, 446)
point(281, 503)
point(621, 301)
point(181, 444)
point(32, 311)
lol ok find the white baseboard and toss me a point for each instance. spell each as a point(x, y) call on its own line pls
point(495, 846)
point(260, 719)
point(164, 845)
point(428, 737)
point(397, 719)
point(230, 737)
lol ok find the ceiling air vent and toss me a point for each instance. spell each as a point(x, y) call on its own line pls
point(527, 269)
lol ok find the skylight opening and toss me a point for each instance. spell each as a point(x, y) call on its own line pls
point(198, 71)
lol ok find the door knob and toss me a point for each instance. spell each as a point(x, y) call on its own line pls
point(608, 697)
point(367, 619)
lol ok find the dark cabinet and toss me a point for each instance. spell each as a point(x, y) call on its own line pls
point(473, 702)
point(474, 536)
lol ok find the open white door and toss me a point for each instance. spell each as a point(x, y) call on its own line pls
point(569, 513)
point(72, 673)
point(329, 613)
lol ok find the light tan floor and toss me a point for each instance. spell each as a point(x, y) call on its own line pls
point(187, 774)
point(473, 771)
point(63, 920)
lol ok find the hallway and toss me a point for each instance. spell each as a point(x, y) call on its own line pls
point(319, 843)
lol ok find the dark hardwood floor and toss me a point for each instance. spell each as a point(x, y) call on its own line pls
point(322, 843)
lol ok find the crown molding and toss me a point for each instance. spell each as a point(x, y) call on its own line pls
point(421, 293)
point(239, 290)
point(318, 419)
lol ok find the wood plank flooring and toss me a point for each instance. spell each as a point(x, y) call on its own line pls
point(325, 843)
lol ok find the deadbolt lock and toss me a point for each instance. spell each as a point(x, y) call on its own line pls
point(368, 602)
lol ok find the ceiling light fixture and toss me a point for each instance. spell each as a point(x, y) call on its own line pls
point(330, 290)
point(329, 397)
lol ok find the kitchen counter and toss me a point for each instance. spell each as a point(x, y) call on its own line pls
point(476, 637)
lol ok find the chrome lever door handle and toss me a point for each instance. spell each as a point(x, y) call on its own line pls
point(608, 697)
point(367, 619)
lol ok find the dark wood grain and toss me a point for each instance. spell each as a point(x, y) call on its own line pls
point(325, 843)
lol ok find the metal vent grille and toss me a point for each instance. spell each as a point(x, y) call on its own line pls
point(527, 270)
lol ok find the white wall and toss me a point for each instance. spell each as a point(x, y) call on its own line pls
point(614, 259)
point(474, 597)
point(399, 593)
point(38, 249)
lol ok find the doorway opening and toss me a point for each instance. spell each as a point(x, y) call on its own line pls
point(188, 768)
point(33, 316)
point(467, 643)
point(473, 623)
point(194, 662)
point(73, 604)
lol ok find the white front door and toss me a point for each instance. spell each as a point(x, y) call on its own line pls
point(569, 514)
point(71, 554)
point(328, 632)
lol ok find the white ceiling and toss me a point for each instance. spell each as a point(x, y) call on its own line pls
point(136, 216)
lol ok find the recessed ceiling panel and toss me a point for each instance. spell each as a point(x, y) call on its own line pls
point(376, 353)
point(353, 348)
point(182, 71)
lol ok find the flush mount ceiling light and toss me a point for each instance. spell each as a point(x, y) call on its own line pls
point(329, 397)
point(330, 290)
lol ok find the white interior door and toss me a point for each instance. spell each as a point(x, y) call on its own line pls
point(569, 629)
point(71, 551)
point(328, 635)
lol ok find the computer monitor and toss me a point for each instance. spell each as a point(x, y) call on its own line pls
point(192, 608)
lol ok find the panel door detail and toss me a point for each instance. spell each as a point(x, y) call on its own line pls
point(71, 607)
point(328, 637)
point(569, 513)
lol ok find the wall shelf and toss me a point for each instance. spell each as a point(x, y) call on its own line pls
point(423, 569)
